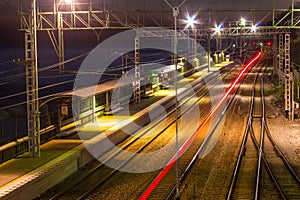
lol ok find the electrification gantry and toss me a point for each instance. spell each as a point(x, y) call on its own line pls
point(57, 16)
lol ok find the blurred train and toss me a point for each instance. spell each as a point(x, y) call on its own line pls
point(163, 78)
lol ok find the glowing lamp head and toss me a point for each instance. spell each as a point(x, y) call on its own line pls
point(243, 22)
point(253, 28)
point(190, 21)
point(68, 1)
point(218, 29)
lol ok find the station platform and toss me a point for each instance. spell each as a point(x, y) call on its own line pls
point(25, 178)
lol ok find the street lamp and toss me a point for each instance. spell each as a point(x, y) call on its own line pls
point(190, 22)
point(68, 1)
point(254, 28)
point(217, 32)
point(208, 42)
point(175, 15)
point(242, 24)
point(218, 29)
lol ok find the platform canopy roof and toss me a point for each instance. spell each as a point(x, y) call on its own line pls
point(90, 91)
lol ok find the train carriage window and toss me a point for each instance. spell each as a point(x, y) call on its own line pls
point(100, 100)
point(85, 105)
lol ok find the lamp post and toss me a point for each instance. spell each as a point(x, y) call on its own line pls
point(208, 46)
point(218, 32)
point(219, 57)
point(190, 22)
point(242, 24)
point(60, 32)
point(175, 15)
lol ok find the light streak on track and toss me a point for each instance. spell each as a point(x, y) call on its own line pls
point(189, 141)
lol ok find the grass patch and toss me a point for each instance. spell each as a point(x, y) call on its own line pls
point(279, 91)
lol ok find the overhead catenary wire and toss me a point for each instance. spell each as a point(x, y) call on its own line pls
point(40, 98)
point(57, 76)
point(41, 88)
point(120, 67)
point(65, 82)
point(14, 77)
point(44, 87)
point(6, 62)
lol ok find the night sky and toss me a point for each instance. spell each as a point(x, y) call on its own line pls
point(9, 23)
point(9, 20)
point(12, 40)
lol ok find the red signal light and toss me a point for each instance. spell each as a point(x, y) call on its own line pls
point(268, 43)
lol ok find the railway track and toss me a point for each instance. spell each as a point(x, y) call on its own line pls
point(166, 189)
point(100, 175)
point(260, 158)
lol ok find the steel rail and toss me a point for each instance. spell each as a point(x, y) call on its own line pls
point(93, 170)
point(243, 144)
point(188, 142)
point(91, 190)
point(259, 147)
point(202, 148)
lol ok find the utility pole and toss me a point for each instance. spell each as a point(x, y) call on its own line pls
point(281, 59)
point(288, 80)
point(208, 46)
point(137, 70)
point(33, 114)
point(275, 53)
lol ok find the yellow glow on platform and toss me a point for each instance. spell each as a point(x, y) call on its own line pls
point(162, 93)
point(187, 80)
point(107, 123)
point(227, 62)
point(122, 123)
point(91, 127)
point(68, 126)
point(200, 73)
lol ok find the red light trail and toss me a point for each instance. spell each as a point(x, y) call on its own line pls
point(188, 142)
